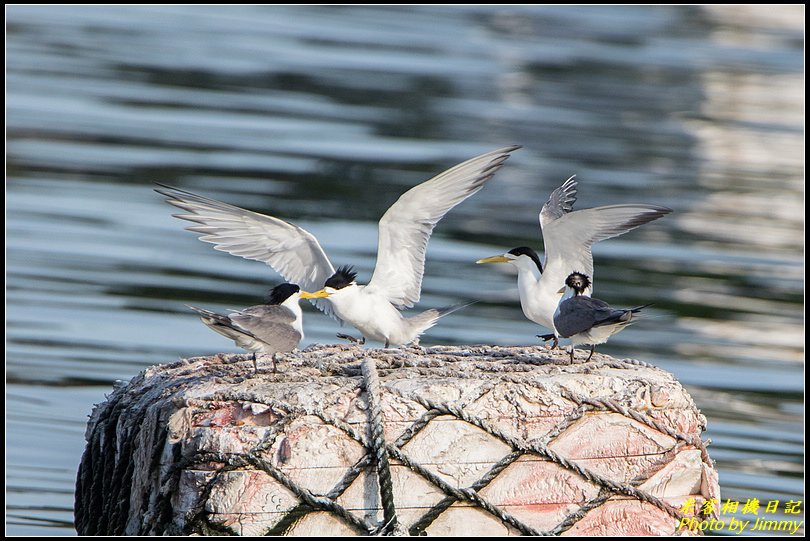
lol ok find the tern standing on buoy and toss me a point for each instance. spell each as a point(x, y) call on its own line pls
point(567, 238)
point(404, 231)
point(270, 328)
point(585, 320)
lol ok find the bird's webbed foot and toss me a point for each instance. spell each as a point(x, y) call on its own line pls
point(547, 337)
point(356, 341)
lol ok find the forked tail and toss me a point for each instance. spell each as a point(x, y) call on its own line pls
point(628, 316)
point(427, 319)
point(224, 326)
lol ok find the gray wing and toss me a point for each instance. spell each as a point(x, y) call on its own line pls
point(272, 324)
point(407, 225)
point(560, 202)
point(579, 314)
point(244, 338)
point(568, 240)
point(274, 313)
point(290, 250)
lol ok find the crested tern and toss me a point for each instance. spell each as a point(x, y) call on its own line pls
point(585, 320)
point(270, 328)
point(404, 231)
point(568, 236)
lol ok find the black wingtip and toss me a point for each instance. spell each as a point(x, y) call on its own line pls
point(166, 187)
point(162, 190)
point(654, 212)
point(171, 192)
point(202, 312)
point(492, 167)
point(173, 195)
point(640, 308)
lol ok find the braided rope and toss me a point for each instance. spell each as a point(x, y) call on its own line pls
point(612, 405)
point(425, 520)
point(233, 462)
point(470, 494)
point(378, 445)
point(541, 449)
point(568, 522)
point(378, 451)
point(421, 524)
point(605, 494)
point(466, 494)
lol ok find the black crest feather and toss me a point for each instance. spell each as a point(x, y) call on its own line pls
point(343, 276)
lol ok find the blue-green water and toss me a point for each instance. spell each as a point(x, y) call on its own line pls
point(324, 115)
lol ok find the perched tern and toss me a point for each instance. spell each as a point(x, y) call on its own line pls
point(271, 328)
point(568, 236)
point(404, 231)
point(585, 320)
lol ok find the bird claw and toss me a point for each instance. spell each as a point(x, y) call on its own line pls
point(593, 347)
point(275, 357)
point(547, 337)
point(356, 341)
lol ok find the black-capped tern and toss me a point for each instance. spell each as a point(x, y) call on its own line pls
point(568, 236)
point(404, 231)
point(585, 320)
point(270, 328)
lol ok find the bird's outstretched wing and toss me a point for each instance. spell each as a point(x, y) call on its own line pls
point(407, 225)
point(568, 239)
point(560, 202)
point(290, 250)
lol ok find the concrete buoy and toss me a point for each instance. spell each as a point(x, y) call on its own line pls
point(445, 440)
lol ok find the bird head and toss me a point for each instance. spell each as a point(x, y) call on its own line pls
point(281, 293)
point(342, 280)
point(520, 257)
point(577, 281)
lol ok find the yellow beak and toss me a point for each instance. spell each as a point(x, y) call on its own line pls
point(494, 259)
point(561, 291)
point(317, 295)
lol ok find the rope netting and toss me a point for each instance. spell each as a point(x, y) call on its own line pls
point(102, 501)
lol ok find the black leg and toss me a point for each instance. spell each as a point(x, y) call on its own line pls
point(255, 364)
point(572, 352)
point(591, 355)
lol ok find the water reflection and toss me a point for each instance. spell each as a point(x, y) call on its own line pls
point(325, 115)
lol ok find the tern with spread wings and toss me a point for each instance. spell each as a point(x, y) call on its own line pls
point(404, 231)
point(568, 236)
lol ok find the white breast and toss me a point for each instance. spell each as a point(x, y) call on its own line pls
point(371, 314)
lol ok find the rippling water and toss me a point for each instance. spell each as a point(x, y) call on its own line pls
point(324, 115)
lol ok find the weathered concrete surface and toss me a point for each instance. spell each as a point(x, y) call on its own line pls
point(205, 446)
